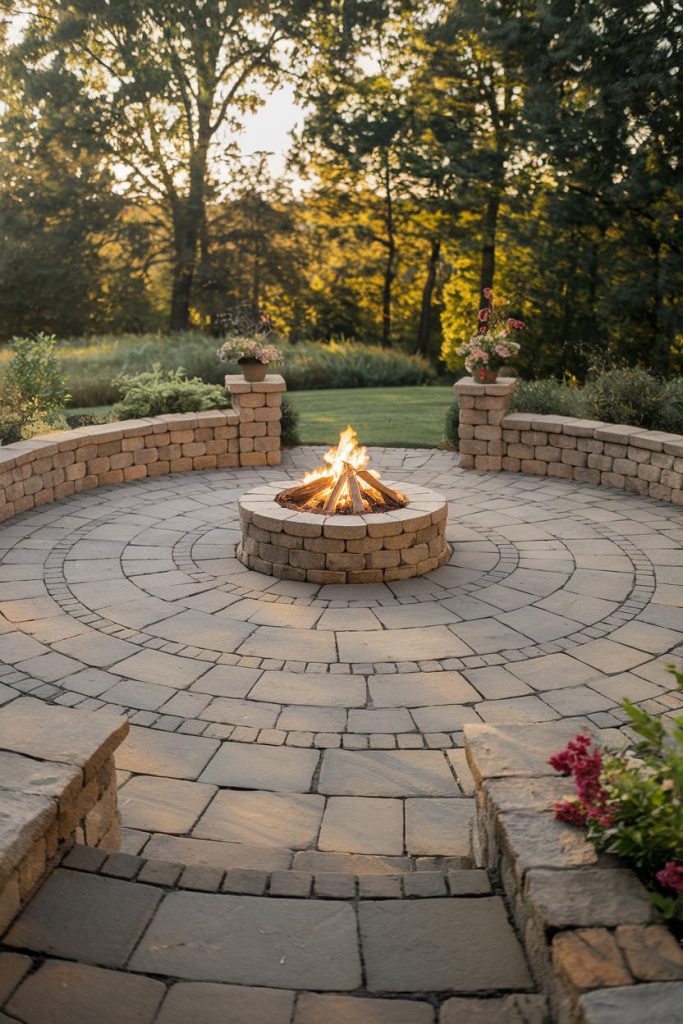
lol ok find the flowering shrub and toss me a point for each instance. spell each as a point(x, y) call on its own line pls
point(491, 347)
point(241, 347)
point(631, 803)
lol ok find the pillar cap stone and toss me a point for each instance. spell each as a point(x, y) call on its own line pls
point(469, 386)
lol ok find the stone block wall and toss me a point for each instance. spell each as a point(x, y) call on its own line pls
point(595, 945)
point(45, 469)
point(57, 787)
point(647, 462)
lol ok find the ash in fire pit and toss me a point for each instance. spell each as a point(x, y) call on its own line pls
point(344, 486)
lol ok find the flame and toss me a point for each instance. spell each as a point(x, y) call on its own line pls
point(347, 452)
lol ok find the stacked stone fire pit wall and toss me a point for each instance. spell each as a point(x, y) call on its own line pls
point(593, 940)
point(374, 548)
point(44, 469)
point(647, 462)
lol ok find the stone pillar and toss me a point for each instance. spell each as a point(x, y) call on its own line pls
point(482, 409)
point(258, 406)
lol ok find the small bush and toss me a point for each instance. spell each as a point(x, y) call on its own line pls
point(157, 392)
point(84, 419)
point(670, 416)
point(452, 423)
point(33, 390)
point(625, 395)
point(352, 365)
point(548, 397)
point(290, 425)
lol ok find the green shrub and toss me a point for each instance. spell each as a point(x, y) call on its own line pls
point(290, 425)
point(548, 397)
point(33, 389)
point(670, 415)
point(452, 423)
point(156, 392)
point(352, 365)
point(625, 395)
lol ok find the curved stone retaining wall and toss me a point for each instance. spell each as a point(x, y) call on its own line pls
point(647, 462)
point(44, 469)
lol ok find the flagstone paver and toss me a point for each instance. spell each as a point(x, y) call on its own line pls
point(308, 740)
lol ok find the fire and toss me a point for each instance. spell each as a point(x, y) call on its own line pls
point(344, 483)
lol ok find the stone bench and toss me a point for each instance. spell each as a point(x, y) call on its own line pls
point(647, 462)
point(45, 469)
point(57, 787)
point(594, 942)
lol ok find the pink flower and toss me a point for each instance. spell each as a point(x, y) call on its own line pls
point(487, 293)
point(517, 324)
point(671, 876)
point(484, 314)
point(570, 811)
point(586, 766)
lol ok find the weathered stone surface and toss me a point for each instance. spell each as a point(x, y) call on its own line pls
point(44, 778)
point(263, 819)
point(30, 727)
point(243, 766)
point(64, 993)
point(163, 805)
point(588, 958)
point(208, 1003)
point(635, 1004)
point(85, 917)
point(651, 952)
point(24, 818)
point(150, 752)
point(362, 825)
point(539, 841)
point(213, 854)
point(514, 1009)
point(251, 941)
point(440, 944)
point(439, 827)
point(386, 773)
point(13, 967)
point(517, 750)
point(312, 1009)
point(588, 897)
point(311, 688)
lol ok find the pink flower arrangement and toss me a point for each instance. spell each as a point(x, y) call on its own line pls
point(671, 876)
point(492, 345)
point(591, 803)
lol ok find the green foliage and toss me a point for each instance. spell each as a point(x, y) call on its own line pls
point(548, 397)
point(670, 413)
point(628, 395)
point(33, 389)
point(452, 424)
point(155, 392)
point(352, 365)
point(289, 425)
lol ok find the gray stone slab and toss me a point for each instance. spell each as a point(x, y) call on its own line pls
point(386, 773)
point(411, 644)
point(312, 1008)
point(513, 1009)
point(658, 1003)
point(204, 631)
point(444, 719)
point(85, 917)
point(210, 853)
point(588, 897)
point(487, 636)
point(164, 669)
point(248, 940)
point(607, 656)
point(24, 818)
point(297, 644)
point(50, 733)
point(247, 766)
point(233, 711)
point(45, 778)
point(263, 819)
point(438, 945)
point(227, 681)
point(207, 1003)
point(314, 719)
point(380, 720)
point(312, 688)
point(551, 672)
point(64, 993)
point(97, 649)
point(439, 827)
point(362, 825)
point(420, 689)
point(518, 750)
point(162, 805)
point(152, 752)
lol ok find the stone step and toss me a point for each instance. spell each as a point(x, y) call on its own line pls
point(420, 951)
point(344, 877)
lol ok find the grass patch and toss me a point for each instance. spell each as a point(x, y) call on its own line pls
point(396, 417)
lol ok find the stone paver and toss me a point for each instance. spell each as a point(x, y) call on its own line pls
point(219, 1004)
point(439, 827)
point(163, 805)
point(263, 819)
point(362, 825)
point(245, 939)
point(386, 773)
point(246, 766)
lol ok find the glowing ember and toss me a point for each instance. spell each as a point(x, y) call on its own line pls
point(344, 484)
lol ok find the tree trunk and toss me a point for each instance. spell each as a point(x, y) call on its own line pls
point(188, 222)
point(661, 344)
point(389, 268)
point(424, 330)
point(488, 242)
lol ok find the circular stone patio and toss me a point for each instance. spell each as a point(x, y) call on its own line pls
point(294, 720)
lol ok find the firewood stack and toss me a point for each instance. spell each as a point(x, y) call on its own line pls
point(354, 490)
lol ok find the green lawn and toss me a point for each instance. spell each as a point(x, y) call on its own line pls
point(398, 417)
point(402, 417)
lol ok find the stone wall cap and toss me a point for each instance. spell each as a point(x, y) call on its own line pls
point(237, 385)
point(44, 778)
point(581, 428)
point(469, 386)
point(614, 431)
point(24, 818)
point(654, 440)
point(51, 733)
point(634, 1004)
point(498, 751)
point(517, 419)
point(587, 897)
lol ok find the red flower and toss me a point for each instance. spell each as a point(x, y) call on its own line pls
point(586, 767)
point(518, 325)
point(570, 811)
point(484, 314)
point(487, 293)
point(671, 876)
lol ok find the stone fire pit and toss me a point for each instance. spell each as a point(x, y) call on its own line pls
point(370, 548)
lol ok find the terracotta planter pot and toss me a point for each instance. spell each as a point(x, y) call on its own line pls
point(483, 375)
point(253, 369)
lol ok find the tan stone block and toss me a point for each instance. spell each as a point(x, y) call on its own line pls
point(64, 459)
point(534, 437)
point(135, 473)
point(28, 501)
point(86, 483)
point(86, 452)
point(511, 436)
point(154, 440)
point(534, 467)
point(428, 533)
point(661, 460)
point(638, 454)
point(473, 447)
point(415, 554)
point(246, 444)
point(194, 449)
point(33, 484)
point(158, 468)
point(384, 526)
point(617, 451)
point(495, 419)
point(586, 476)
point(345, 560)
point(511, 465)
point(658, 491)
point(145, 457)
point(363, 545)
point(561, 441)
point(561, 470)
point(465, 431)
point(365, 576)
point(546, 453)
point(44, 497)
point(32, 869)
point(40, 466)
point(253, 429)
point(487, 433)
point(625, 466)
point(9, 901)
point(225, 433)
point(649, 473)
point(488, 463)
point(400, 572)
point(249, 401)
point(16, 491)
point(430, 564)
point(274, 428)
point(132, 444)
point(671, 479)
point(612, 480)
point(325, 576)
point(635, 485)
point(466, 460)
point(290, 572)
point(520, 451)
point(121, 460)
point(181, 436)
point(677, 497)
point(325, 544)
point(108, 449)
point(276, 553)
point(382, 559)
point(602, 462)
point(229, 460)
point(267, 444)
point(267, 414)
point(97, 466)
point(497, 448)
point(180, 465)
point(204, 434)
point(573, 457)
point(112, 476)
point(589, 958)
point(307, 559)
point(588, 444)
point(474, 416)
point(398, 543)
point(204, 462)
point(274, 399)
point(274, 458)
point(65, 490)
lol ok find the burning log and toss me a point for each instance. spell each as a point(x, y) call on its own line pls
point(344, 486)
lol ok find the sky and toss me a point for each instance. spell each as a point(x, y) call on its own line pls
point(268, 130)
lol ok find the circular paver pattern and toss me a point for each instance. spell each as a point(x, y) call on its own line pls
point(275, 721)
